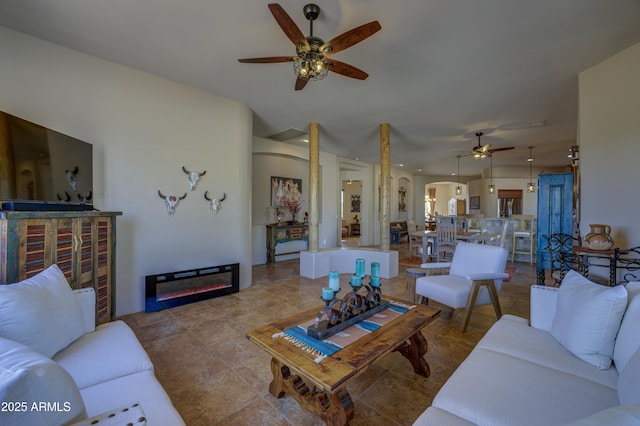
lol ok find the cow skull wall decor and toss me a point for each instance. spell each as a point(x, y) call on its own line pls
point(171, 201)
point(85, 198)
point(194, 177)
point(215, 203)
point(67, 199)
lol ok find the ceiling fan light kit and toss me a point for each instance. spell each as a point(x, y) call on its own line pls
point(311, 62)
point(480, 152)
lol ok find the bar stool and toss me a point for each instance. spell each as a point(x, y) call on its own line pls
point(410, 283)
point(524, 229)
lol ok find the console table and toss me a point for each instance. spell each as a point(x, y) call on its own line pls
point(81, 243)
point(282, 233)
point(586, 254)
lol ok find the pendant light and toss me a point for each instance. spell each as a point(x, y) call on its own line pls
point(531, 186)
point(492, 187)
point(458, 188)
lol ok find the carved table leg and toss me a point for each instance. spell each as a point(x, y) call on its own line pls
point(280, 372)
point(334, 409)
point(414, 350)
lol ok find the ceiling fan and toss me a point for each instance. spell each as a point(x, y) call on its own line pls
point(312, 61)
point(481, 152)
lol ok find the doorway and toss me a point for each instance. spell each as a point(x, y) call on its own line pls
point(461, 207)
point(350, 207)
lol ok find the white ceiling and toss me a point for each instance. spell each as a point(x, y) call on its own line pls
point(440, 70)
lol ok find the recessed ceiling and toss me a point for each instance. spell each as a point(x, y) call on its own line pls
point(439, 70)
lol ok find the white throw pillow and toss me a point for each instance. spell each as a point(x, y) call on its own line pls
point(35, 390)
point(41, 312)
point(587, 318)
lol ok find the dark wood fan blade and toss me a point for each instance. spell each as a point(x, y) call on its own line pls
point(268, 60)
point(300, 83)
point(346, 69)
point(289, 27)
point(350, 38)
point(501, 149)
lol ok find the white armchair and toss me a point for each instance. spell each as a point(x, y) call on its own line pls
point(475, 278)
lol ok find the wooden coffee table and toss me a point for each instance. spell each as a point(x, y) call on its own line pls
point(320, 388)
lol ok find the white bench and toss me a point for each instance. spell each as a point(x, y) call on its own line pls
point(343, 259)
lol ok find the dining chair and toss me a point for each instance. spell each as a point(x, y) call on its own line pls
point(474, 278)
point(446, 237)
point(497, 229)
point(417, 245)
point(523, 235)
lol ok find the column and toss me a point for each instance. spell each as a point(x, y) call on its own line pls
point(314, 173)
point(385, 183)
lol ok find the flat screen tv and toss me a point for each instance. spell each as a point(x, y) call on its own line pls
point(41, 169)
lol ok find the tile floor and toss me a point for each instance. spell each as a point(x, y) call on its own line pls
point(215, 376)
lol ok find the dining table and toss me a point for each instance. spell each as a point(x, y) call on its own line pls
point(476, 237)
point(425, 236)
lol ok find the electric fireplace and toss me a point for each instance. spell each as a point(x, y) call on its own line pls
point(172, 289)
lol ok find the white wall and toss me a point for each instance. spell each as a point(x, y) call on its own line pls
point(271, 158)
point(143, 130)
point(609, 134)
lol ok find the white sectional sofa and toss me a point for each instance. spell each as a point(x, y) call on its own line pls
point(58, 368)
point(577, 362)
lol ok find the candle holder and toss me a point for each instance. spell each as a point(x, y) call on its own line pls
point(329, 316)
point(353, 308)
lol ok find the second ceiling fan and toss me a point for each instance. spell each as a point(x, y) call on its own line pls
point(312, 61)
point(480, 152)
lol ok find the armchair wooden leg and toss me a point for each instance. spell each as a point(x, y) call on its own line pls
point(471, 302)
point(495, 301)
point(473, 295)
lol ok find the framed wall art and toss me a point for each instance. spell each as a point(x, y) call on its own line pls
point(355, 203)
point(402, 199)
point(285, 191)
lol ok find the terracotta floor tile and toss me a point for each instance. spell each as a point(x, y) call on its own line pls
point(258, 413)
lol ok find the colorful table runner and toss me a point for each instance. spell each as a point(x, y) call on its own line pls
point(329, 346)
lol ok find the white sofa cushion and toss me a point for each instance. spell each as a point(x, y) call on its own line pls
point(629, 381)
point(512, 336)
point(87, 299)
point(142, 387)
point(587, 318)
point(109, 352)
point(628, 339)
point(623, 415)
point(633, 288)
point(543, 306)
point(27, 378)
point(41, 312)
point(492, 388)
point(435, 416)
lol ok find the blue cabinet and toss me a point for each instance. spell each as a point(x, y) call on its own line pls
point(555, 215)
